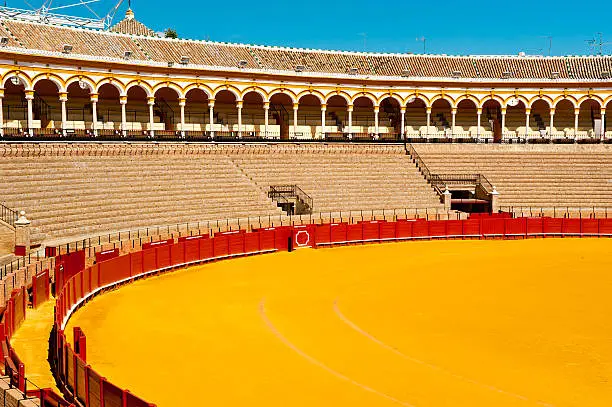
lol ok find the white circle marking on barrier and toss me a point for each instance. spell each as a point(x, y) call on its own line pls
point(297, 238)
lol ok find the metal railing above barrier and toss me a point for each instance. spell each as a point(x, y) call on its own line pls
point(8, 215)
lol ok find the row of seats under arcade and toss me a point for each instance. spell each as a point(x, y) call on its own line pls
point(286, 121)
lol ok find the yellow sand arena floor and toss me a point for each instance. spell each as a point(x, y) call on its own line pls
point(31, 342)
point(423, 324)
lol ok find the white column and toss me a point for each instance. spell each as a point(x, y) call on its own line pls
point(93, 97)
point(1, 112)
point(151, 104)
point(123, 102)
point(602, 135)
point(428, 120)
point(503, 122)
point(552, 122)
point(576, 113)
point(239, 107)
point(94, 112)
point(453, 120)
point(402, 123)
point(211, 116)
point(478, 115)
point(63, 97)
point(295, 118)
point(376, 111)
point(323, 112)
point(350, 119)
point(182, 103)
point(29, 95)
point(527, 114)
point(266, 118)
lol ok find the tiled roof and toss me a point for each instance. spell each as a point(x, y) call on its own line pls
point(143, 45)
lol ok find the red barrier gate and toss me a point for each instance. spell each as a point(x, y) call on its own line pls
point(304, 236)
point(40, 288)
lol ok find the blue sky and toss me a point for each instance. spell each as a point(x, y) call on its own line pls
point(450, 27)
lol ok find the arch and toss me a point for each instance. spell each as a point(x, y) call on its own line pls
point(394, 96)
point(413, 97)
point(463, 97)
point(141, 84)
point(111, 81)
point(314, 93)
point(59, 82)
point(607, 100)
point(545, 98)
point(495, 98)
point(283, 91)
point(254, 89)
point(25, 78)
point(465, 102)
point(90, 83)
point(595, 98)
point(521, 98)
point(199, 86)
point(196, 93)
point(367, 95)
point(168, 85)
point(309, 97)
point(229, 88)
point(447, 98)
point(340, 93)
point(569, 98)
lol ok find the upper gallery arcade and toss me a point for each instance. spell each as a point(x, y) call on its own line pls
point(58, 79)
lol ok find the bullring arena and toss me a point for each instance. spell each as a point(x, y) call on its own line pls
point(197, 223)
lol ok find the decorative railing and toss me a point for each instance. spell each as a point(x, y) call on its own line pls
point(439, 182)
point(8, 215)
point(286, 194)
point(24, 134)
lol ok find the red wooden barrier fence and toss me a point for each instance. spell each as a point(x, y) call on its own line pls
point(78, 284)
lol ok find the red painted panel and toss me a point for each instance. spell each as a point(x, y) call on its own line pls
point(471, 227)
point(552, 226)
point(338, 232)
point(534, 226)
point(206, 248)
point(149, 260)
point(106, 255)
point(590, 226)
point(220, 245)
point(371, 230)
point(163, 256)
point(304, 236)
point(323, 234)
point(236, 243)
point(192, 249)
point(387, 230)
point(454, 228)
point(251, 242)
point(420, 228)
point(114, 270)
point(515, 227)
point(492, 226)
point(94, 282)
point(281, 237)
point(354, 233)
point(403, 228)
point(437, 228)
point(605, 226)
point(137, 265)
point(78, 286)
point(177, 253)
point(266, 239)
point(571, 226)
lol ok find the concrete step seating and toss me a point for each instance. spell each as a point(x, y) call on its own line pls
point(538, 176)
